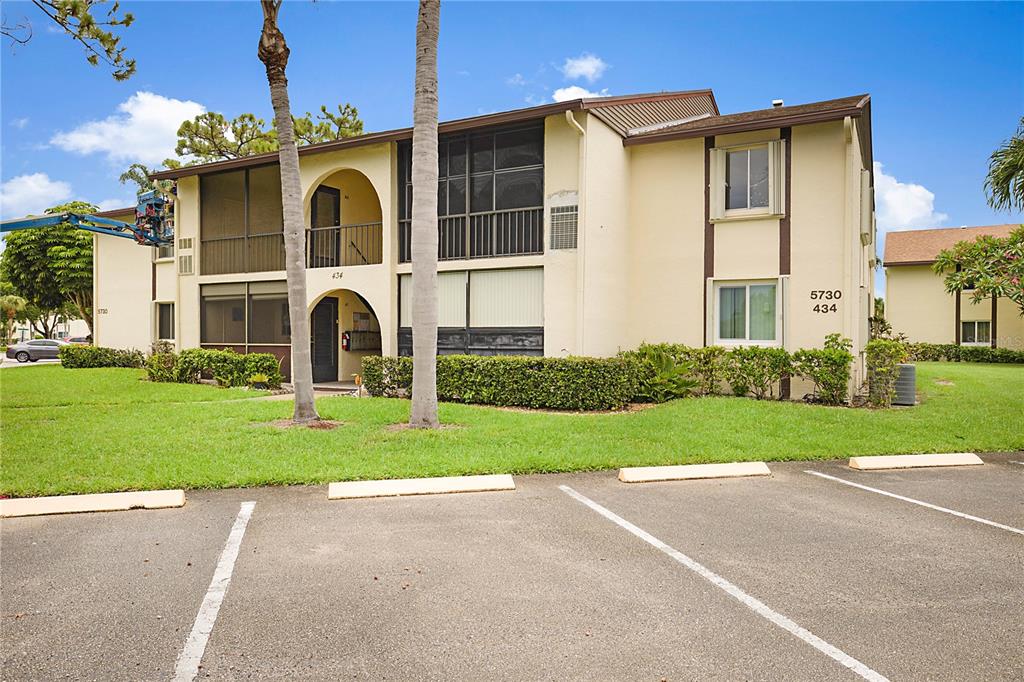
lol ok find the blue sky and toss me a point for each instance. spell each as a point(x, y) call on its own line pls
point(946, 79)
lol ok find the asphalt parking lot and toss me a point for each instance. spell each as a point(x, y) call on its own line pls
point(792, 576)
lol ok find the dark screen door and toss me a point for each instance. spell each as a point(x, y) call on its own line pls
point(324, 340)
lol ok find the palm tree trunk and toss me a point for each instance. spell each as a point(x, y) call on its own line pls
point(424, 220)
point(273, 52)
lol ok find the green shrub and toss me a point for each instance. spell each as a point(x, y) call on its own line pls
point(950, 352)
point(663, 372)
point(756, 370)
point(80, 357)
point(883, 359)
point(226, 367)
point(708, 365)
point(160, 366)
point(506, 380)
point(828, 368)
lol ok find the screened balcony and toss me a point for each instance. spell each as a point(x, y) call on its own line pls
point(490, 194)
point(241, 222)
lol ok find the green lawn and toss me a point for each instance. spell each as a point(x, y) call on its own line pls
point(67, 431)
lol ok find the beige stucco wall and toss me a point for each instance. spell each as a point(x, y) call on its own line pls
point(562, 162)
point(666, 248)
point(122, 293)
point(917, 305)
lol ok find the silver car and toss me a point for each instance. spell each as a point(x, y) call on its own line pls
point(36, 349)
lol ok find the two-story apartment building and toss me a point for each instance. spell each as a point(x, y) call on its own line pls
point(916, 302)
point(573, 228)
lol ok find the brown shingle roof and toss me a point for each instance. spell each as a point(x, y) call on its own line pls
point(760, 119)
point(920, 247)
point(617, 111)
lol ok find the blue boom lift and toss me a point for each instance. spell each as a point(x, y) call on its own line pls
point(153, 226)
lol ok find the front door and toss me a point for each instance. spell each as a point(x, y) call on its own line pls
point(324, 340)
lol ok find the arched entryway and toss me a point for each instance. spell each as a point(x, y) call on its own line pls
point(343, 330)
point(345, 222)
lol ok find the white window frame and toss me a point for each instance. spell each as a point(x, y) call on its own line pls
point(157, 258)
point(718, 285)
point(975, 323)
point(776, 182)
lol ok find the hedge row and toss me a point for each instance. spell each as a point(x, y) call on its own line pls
point(82, 357)
point(666, 371)
point(550, 383)
point(226, 367)
point(950, 352)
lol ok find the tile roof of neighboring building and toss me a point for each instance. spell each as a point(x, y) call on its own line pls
point(620, 112)
point(114, 212)
point(920, 247)
point(760, 119)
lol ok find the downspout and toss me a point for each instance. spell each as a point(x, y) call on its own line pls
point(581, 213)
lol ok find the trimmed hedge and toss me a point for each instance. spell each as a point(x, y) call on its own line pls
point(83, 357)
point(950, 352)
point(226, 366)
point(573, 383)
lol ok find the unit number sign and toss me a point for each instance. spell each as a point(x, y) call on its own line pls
point(825, 300)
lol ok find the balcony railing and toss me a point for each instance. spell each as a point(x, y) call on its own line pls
point(326, 247)
point(330, 247)
point(514, 232)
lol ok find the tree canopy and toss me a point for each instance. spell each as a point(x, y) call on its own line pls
point(992, 266)
point(212, 137)
point(85, 24)
point(51, 268)
point(1004, 184)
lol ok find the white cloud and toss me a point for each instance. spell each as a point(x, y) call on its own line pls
point(588, 66)
point(903, 205)
point(31, 194)
point(20, 123)
point(111, 204)
point(516, 80)
point(576, 92)
point(144, 130)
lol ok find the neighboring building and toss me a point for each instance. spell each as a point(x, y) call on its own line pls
point(64, 329)
point(916, 302)
point(574, 228)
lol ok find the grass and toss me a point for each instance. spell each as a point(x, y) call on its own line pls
point(78, 431)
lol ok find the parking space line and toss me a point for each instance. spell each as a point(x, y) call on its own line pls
point(747, 600)
point(936, 507)
point(191, 655)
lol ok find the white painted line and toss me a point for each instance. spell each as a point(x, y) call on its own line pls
point(419, 486)
point(685, 472)
point(917, 502)
point(1013, 461)
point(747, 600)
point(191, 655)
point(949, 459)
point(101, 502)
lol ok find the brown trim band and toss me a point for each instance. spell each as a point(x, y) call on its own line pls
point(709, 229)
point(992, 325)
point(785, 225)
point(154, 280)
point(956, 314)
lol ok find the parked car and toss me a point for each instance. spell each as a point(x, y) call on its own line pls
point(80, 340)
point(36, 349)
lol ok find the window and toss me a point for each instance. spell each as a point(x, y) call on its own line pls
point(976, 333)
point(165, 251)
point(165, 321)
point(747, 313)
point(268, 313)
point(748, 180)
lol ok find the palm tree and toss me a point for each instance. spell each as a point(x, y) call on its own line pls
point(424, 220)
point(1004, 183)
point(273, 52)
point(10, 306)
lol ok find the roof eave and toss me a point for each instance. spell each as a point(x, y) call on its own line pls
point(744, 126)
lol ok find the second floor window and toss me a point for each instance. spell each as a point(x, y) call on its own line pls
point(748, 180)
point(241, 221)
